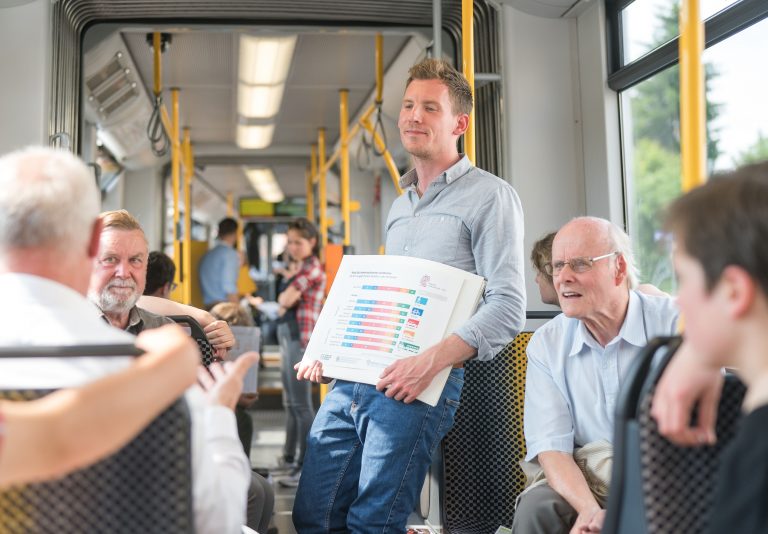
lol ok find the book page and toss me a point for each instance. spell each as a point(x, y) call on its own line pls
point(382, 308)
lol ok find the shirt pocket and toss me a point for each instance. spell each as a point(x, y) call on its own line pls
point(439, 236)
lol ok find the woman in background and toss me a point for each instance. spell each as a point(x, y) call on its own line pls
point(300, 303)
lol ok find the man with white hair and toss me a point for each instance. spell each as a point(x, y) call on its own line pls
point(49, 238)
point(576, 365)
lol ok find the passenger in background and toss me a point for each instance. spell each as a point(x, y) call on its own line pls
point(370, 447)
point(721, 231)
point(541, 258)
point(576, 365)
point(300, 303)
point(221, 473)
point(220, 267)
point(160, 273)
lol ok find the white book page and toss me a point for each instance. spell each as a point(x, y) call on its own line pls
point(382, 308)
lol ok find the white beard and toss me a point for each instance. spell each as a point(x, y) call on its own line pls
point(108, 302)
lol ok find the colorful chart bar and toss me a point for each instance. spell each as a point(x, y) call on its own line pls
point(390, 288)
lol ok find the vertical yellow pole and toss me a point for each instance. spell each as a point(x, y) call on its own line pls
point(379, 67)
point(693, 134)
point(186, 251)
point(310, 196)
point(322, 192)
point(313, 174)
point(158, 86)
point(468, 67)
point(344, 163)
point(175, 172)
point(230, 204)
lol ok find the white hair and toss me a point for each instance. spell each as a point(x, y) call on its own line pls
point(619, 241)
point(48, 198)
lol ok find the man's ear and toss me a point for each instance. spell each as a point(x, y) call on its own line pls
point(738, 290)
point(462, 123)
point(93, 242)
point(621, 269)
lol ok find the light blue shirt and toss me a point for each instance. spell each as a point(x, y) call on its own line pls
point(471, 220)
point(219, 270)
point(572, 383)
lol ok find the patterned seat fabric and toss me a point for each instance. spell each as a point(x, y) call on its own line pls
point(198, 334)
point(678, 483)
point(656, 486)
point(145, 487)
point(482, 452)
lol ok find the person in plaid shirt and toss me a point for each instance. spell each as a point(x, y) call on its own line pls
point(301, 300)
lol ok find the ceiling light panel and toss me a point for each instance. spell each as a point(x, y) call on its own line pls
point(264, 183)
point(259, 101)
point(255, 136)
point(265, 60)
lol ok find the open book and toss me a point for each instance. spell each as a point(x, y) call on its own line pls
point(382, 308)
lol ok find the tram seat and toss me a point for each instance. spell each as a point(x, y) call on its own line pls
point(482, 452)
point(144, 487)
point(657, 486)
point(198, 334)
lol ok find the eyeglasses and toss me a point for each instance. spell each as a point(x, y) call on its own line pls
point(578, 265)
point(174, 285)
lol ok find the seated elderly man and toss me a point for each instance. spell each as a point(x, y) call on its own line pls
point(576, 365)
point(219, 466)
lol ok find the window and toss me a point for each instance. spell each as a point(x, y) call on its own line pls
point(648, 24)
point(737, 133)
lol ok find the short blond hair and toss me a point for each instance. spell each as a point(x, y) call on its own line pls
point(459, 91)
point(232, 314)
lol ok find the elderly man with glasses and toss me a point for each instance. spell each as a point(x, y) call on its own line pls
point(576, 365)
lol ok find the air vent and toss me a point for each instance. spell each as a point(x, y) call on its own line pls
point(112, 87)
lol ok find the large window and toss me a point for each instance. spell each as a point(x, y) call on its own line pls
point(737, 133)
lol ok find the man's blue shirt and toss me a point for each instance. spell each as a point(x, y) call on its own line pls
point(219, 270)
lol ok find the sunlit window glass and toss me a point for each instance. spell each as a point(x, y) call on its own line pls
point(737, 133)
point(648, 24)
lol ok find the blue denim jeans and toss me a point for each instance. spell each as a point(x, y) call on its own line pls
point(367, 456)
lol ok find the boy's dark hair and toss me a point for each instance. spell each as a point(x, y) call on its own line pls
point(725, 222)
point(227, 226)
point(160, 271)
point(307, 230)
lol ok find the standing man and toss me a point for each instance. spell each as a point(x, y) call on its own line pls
point(370, 447)
point(220, 267)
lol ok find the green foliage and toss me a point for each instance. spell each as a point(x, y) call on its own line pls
point(756, 153)
point(655, 110)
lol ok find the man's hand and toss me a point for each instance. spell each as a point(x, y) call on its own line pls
point(311, 370)
point(589, 521)
point(687, 382)
point(169, 342)
point(223, 383)
point(405, 379)
point(220, 336)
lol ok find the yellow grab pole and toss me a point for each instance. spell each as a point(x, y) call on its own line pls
point(344, 162)
point(230, 204)
point(322, 193)
point(156, 45)
point(379, 67)
point(175, 172)
point(468, 67)
point(186, 251)
point(381, 147)
point(310, 196)
point(693, 135)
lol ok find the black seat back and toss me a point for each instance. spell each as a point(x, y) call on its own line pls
point(145, 487)
point(657, 486)
point(198, 334)
point(482, 452)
